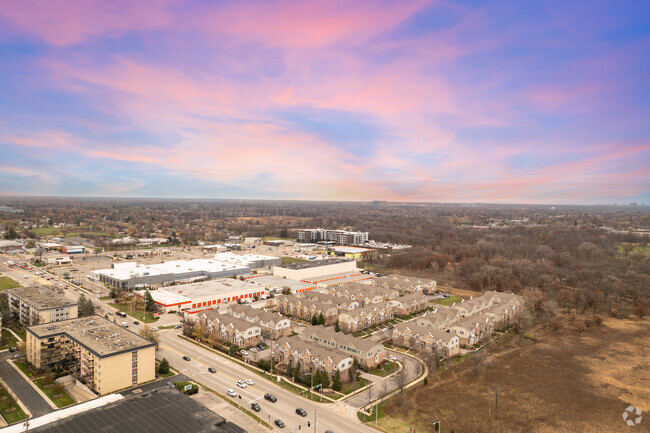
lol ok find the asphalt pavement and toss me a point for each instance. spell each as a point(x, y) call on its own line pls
point(23, 390)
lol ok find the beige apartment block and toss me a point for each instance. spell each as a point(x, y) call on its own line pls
point(33, 306)
point(102, 355)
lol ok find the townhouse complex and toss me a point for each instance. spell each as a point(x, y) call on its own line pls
point(464, 324)
point(32, 306)
point(102, 355)
point(241, 325)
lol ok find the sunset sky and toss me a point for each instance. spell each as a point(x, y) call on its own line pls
point(452, 101)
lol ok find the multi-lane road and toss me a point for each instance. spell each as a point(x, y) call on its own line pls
point(337, 417)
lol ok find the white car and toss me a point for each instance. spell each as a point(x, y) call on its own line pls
point(244, 352)
point(253, 349)
point(241, 384)
point(231, 392)
point(392, 358)
point(250, 382)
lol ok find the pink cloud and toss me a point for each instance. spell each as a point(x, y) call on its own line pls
point(65, 22)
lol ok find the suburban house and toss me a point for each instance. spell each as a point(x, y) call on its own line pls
point(227, 328)
point(368, 353)
point(423, 338)
point(341, 302)
point(466, 331)
point(441, 318)
point(311, 356)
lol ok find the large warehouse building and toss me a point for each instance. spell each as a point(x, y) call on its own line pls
point(312, 270)
point(253, 261)
point(205, 294)
point(131, 275)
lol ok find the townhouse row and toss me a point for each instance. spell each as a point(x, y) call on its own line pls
point(470, 322)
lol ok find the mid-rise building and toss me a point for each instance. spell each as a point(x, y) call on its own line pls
point(104, 356)
point(341, 237)
point(33, 306)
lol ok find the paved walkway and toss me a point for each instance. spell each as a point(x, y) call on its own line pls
point(23, 390)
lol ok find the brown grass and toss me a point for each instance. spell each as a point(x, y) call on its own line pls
point(561, 383)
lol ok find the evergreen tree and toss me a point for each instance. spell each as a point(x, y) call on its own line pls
point(314, 320)
point(289, 370)
point(283, 233)
point(325, 379)
point(85, 306)
point(163, 368)
point(149, 302)
point(321, 319)
point(296, 373)
point(337, 327)
point(11, 233)
point(336, 384)
point(318, 377)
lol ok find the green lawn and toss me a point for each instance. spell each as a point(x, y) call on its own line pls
point(25, 368)
point(146, 318)
point(45, 231)
point(387, 369)
point(8, 283)
point(288, 260)
point(11, 341)
point(18, 330)
point(371, 418)
point(63, 401)
point(447, 301)
point(6, 402)
point(353, 386)
point(645, 249)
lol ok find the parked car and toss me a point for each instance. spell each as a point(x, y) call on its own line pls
point(12, 349)
point(241, 384)
point(231, 392)
point(212, 370)
point(126, 325)
point(253, 349)
point(279, 423)
point(178, 326)
point(256, 407)
point(155, 328)
point(250, 382)
point(187, 358)
point(270, 397)
point(302, 412)
point(392, 358)
point(261, 346)
point(244, 352)
point(135, 322)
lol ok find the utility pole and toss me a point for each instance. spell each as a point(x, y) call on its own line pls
point(314, 420)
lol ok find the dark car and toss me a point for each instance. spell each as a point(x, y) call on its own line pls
point(212, 370)
point(270, 397)
point(178, 326)
point(279, 423)
point(135, 322)
point(256, 407)
point(12, 349)
point(187, 358)
point(261, 346)
point(302, 412)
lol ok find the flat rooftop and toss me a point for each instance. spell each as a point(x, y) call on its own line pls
point(270, 281)
point(125, 271)
point(43, 298)
point(98, 335)
point(350, 250)
point(314, 264)
point(211, 287)
point(161, 411)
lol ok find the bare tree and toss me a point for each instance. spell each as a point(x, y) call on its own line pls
point(400, 379)
point(477, 360)
point(370, 393)
point(497, 391)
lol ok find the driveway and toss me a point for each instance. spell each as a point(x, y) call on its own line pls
point(23, 390)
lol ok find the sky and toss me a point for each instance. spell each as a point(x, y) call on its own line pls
point(440, 101)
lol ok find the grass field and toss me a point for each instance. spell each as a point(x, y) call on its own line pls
point(289, 260)
point(8, 283)
point(560, 383)
point(46, 231)
point(62, 401)
point(6, 402)
point(447, 301)
point(138, 315)
point(353, 386)
point(387, 369)
point(645, 249)
point(9, 338)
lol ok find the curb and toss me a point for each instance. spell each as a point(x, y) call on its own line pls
point(33, 385)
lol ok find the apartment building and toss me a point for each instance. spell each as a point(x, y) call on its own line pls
point(405, 284)
point(227, 328)
point(305, 309)
point(312, 356)
point(425, 338)
point(342, 303)
point(102, 355)
point(364, 317)
point(408, 304)
point(273, 325)
point(368, 353)
point(33, 306)
point(341, 237)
